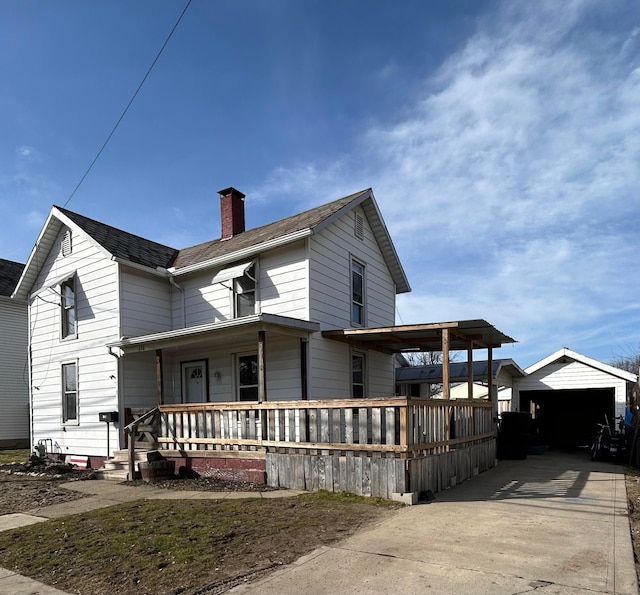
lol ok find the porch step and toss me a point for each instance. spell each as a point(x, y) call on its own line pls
point(112, 474)
point(117, 468)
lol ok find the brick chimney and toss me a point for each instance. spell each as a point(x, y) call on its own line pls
point(231, 212)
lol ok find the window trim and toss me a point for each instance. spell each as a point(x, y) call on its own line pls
point(352, 301)
point(67, 421)
point(70, 281)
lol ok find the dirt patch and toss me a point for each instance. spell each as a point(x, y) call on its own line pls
point(34, 485)
point(633, 499)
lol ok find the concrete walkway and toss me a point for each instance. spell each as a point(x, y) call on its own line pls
point(554, 524)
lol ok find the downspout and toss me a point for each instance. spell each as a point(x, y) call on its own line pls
point(181, 290)
point(121, 407)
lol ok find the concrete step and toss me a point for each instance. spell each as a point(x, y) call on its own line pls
point(123, 455)
point(112, 474)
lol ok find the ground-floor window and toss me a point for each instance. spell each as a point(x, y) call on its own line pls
point(248, 377)
point(358, 375)
point(70, 392)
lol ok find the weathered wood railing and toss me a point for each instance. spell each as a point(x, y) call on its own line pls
point(142, 424)
point(397, 426)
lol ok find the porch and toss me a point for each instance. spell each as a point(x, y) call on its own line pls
point(386, 447)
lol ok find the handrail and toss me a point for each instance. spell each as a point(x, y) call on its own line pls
point(132, 429)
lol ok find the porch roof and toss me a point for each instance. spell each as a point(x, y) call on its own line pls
point(423, 337)
point(216, 330)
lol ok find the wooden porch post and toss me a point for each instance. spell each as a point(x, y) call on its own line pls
point(159, 377)
point(446, 389)
point(304, 354)
point(492, 398)
point(262, 378)
point(470, 369)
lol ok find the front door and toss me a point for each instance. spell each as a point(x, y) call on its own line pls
point(194, 382)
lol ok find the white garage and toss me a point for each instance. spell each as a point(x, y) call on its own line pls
point(568, 393)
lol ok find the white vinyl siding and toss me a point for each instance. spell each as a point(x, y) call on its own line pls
point(283, 282)
point(97, 324)
point(14, 372)
point(281, 289)
point(145, 303)
point(330, 255)
point(283, 368)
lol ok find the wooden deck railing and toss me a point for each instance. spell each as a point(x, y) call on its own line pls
point(397, 426)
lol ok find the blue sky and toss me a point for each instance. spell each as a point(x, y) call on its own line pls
point(501, 139)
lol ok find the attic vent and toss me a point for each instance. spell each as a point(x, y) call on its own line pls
point(66, 243)
point(358, 227)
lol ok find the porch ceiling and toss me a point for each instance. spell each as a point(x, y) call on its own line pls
point(423, 337)
point(217, 331)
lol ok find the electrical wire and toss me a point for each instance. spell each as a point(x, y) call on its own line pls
point(126, 109)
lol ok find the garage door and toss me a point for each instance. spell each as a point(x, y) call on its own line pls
point(567, 418)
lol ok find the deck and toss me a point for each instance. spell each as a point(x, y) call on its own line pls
point(385, 447)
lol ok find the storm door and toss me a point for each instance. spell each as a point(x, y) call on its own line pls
point(194, 382)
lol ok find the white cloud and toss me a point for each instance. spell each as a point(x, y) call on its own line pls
point(514, 180)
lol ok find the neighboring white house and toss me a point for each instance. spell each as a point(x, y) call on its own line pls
point(121, 322)
point(569, 393)
point(14, 368)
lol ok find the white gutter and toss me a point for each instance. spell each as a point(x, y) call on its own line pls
point(160, 272)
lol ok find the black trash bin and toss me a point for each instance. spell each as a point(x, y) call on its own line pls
point(514, 435)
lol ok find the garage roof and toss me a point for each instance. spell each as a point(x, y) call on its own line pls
point(423, 337)
point(458, 371)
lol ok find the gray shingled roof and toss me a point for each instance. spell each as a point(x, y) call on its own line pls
point(10, 272)
point(251, 237)
point(145, 252)
point(123, 244)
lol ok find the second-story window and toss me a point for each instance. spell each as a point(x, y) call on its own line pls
point(68, 308)
point(244, 293)
point(357, 293)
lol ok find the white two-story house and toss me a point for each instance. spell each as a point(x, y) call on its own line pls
point(119, 322)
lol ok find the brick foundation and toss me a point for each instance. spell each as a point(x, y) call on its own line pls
point(228, 469)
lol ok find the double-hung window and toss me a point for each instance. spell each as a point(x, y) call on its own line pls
point(70, 392)
point(68, 308)
point(357, 375)
point(244, 294)
point(357, 293)
point(240, 279)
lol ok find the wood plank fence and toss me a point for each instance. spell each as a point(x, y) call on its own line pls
point(374, 447)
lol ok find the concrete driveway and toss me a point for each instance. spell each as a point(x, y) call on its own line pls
point(554, 523)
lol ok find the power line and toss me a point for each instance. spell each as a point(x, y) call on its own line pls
point(126, 109)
